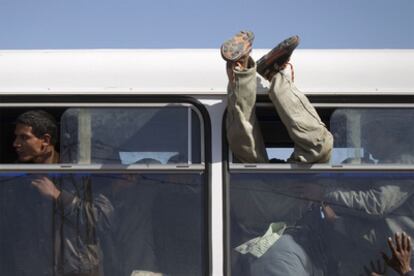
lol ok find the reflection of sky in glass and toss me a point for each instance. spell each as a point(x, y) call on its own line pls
point(339, 155)
point(128, 158)
point(279, 153)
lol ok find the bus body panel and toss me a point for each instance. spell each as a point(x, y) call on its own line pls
point(196, 71)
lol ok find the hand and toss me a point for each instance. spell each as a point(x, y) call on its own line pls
point(46, 187)
point(329, 213)
point(400, 253)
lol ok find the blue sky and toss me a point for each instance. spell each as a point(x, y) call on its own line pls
point(69, 24)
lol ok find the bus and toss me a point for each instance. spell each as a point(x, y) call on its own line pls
point(142, 135)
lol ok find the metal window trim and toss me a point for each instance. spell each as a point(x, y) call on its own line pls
point(93, 104)
point(102, 168)
point(190, 106)
point(351, 105)
point(306, 168)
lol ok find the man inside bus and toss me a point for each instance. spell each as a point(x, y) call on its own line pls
point(73, 213)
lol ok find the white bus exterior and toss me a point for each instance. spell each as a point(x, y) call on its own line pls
point(53, 79)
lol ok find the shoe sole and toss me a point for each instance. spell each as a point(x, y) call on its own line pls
point(237, 46)
point(277, 56)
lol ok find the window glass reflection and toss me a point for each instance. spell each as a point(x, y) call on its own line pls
point(373, 136)
point(316, 224)
point(130, 135)
point(103, 224)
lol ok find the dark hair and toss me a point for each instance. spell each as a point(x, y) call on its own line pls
point(41, 122)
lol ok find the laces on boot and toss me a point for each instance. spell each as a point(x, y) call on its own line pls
point(282, 67)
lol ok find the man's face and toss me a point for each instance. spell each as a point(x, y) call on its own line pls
point(29, 148)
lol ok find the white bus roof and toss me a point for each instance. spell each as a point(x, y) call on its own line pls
point(196, 71)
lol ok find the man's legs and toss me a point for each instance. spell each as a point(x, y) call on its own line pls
point(243, 130)
point(312, 141)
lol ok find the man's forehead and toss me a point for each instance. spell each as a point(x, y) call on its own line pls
point(23, 128)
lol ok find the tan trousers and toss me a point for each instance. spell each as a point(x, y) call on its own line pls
point(312, 141)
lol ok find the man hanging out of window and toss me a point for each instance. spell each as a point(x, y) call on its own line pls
point(312, 141)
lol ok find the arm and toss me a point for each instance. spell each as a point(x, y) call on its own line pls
point(372, 203)
point(97, 211)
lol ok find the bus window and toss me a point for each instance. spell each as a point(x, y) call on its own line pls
point(359, 135)
point(324, 220)
point(118, 202)
point(373, 136)
point(328, 223)
point(130, 135)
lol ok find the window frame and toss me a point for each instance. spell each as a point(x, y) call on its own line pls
point(111, 167)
